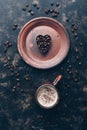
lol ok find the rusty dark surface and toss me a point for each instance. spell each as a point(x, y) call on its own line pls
point(19, 81)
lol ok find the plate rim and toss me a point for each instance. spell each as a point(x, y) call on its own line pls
point(45, 18)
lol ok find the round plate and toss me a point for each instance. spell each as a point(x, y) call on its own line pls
point(28, 48)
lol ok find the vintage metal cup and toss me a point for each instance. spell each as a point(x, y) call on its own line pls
point(47, 95)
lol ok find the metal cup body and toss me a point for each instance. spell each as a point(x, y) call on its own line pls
point(41, 88)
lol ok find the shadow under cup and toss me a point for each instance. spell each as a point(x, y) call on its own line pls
point(47, 96)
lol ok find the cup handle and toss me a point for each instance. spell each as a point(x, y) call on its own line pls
point(58, 78)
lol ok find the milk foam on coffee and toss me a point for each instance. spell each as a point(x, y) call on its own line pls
point(47, 96)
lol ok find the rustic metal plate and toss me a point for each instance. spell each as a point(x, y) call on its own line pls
point(27, 42)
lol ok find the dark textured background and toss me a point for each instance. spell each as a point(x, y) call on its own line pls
point(19, 81)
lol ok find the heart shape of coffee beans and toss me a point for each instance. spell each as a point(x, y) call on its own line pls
point(44, 43)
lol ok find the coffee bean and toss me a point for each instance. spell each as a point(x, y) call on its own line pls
point(56, 11)
point(75, 26)
point(70, 66)
point(81, 44)
point(67, 70)
point(27, 5)
point(47, 11)
point(34, 4)
point(5, 50)
point(68, 61)
point(51, 11)
point(57, 4)
point(67, 20)
point(32, 13)
point(27, 77)
point(29, 10)
point(18, 79)
point(6, 43)
point(80, 63)
point(72, 30)
point(51, 3)
point(38, 7)
point(75, 79)
point(76, 71)
point(14, 26)
point(75, 34)
point(77, 57)
point(24, 9)
point(76, 50)
point(54, 15)
point(70, 72)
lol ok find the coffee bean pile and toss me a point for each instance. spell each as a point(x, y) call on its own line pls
point(44, 43)
point(74, 29)
point(53, 11)
point(7, 45)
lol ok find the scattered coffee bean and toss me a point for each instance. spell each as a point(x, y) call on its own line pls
point(14, 26)
point(75, 79)
point(17, 74)
point(38, 7)
point(27, 5)
point(24, 9)
point(67, 20)
point(76, 71)
point(29, 10)
point(5, 61)
point(68, 61)
point(81, 44)
point(34, 4)
point(18, 79)
point(76, 50)
point(54, 15)
point(8, 58)
point(57, 4)
point(27, 77)
point(77, 57)
point(75, 34)
point(75, 26)
point(5, 50)
point(32, 13)
point(80, 63)
point(14, 87)
point(70, 72)
point(67, 70)
point(11, 69)
point(47, 11)
point(56, 11)
point(6, 43)
point(72, 30)
point(51, 10)
point(13, 90)
point(70, 66)
point(52, 3)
